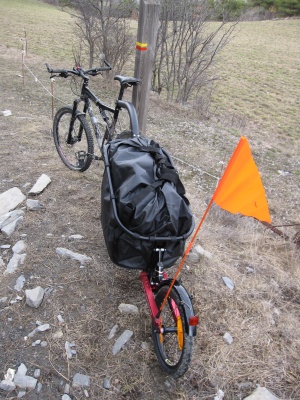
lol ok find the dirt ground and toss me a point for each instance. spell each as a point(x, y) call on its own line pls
point(262, 313)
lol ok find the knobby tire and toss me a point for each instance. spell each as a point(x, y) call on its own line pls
point(78, 155)
point(173, 359)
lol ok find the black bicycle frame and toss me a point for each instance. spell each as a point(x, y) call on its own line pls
point(87, 95)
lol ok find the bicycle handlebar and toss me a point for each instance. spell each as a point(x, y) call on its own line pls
point(64, 73)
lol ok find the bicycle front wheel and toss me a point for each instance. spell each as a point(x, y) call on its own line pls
point(173, 346)
point(75, 148)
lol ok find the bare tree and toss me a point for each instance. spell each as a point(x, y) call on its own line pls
point(186, 47)
point(104, 29)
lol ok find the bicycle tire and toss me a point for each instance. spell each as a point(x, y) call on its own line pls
point(78, 155)
point(174, 348)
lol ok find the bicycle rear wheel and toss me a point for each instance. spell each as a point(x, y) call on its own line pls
point(174, 346)
point(78, 154)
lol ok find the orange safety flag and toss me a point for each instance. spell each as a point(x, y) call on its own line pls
point(240, 189)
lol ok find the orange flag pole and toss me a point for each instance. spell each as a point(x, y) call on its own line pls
point(186, 253)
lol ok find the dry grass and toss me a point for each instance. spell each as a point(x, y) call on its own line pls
point(261, 313)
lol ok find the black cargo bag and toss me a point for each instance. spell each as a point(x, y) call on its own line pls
point(143, 206)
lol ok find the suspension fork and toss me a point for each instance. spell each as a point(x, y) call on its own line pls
point(72, 122)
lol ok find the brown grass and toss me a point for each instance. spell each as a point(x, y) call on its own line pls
point(261, 313)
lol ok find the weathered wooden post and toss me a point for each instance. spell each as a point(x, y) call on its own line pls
point(145, 51)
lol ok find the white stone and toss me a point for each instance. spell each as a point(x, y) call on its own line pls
point(43, 328)
point(128, 308)
point(33, 205)
point(10, 199)
point(193, 257)
point(68, 349)
point(60, 319)
point(34, 297)
point(6, 113)
point(66, 397)
point(7, 385)
point(19, 247)
point(70, 254)
point(80, 380)
point(9, 217)
point(261, 393)
point(199, 249)
point(9, 229)
point(75, 237)
point(121, 341)
point(14, 263)
point(113, 331)
point(25, 381)
point(20, 283)
point(10, 374)
point(36, 343)
point(227, 338)
point(39, 387)
point(37, 373)
point(40, 184)
point(22, 369)
point(228, 282)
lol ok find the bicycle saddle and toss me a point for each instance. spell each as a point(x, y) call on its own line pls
point(127, 80)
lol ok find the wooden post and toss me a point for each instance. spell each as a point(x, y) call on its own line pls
point(145, 51)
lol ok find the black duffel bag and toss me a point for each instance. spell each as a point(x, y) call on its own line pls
point(143, 206)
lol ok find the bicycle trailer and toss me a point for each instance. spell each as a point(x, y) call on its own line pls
point(143, 205)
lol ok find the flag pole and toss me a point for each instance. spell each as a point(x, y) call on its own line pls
point(188, 249)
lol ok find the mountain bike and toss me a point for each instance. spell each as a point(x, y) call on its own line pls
point(173, 319)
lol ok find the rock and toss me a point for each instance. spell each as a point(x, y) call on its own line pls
point(66, 397)
point(33, 205)
point(9, 229)
point(6, 113)
point(113, 331)
point(39, 387)
point(220, 395)
point(22, 369)
point(106, 383)
point(19, 247)
point(20, 283)
point(34, 297)
point(40, 184)
point(227, 338)
point(67, 388)
point(228, 282)
point(261, 393)
point(14, 263)
point(121, 341)
point(60, 319)
point(36, 343)
point(128, 308)
point(25, 381)
point(193, 257)
point(68, 347)
point(37, 373)
point(75, 237)
point(70, 254)
point(199, 249)
point(80, 380)
point(7, 385)
point(43, 328)
point(10, 199)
